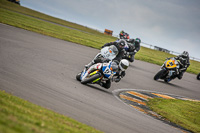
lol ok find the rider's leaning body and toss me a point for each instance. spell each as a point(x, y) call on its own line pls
point(133, 48)
point(184, 62)
point(119, 67)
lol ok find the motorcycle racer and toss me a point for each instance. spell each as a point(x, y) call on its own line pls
point(184, 62)
point(132, 49)
point(120, 72)
point(120, 44)
point(118, 48)
point(123, 35)
point(117, 67)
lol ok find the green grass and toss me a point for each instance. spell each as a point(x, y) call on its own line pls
point(181, 112)
point(42, 27)
point(18, 115)
point(158, 57)
point(14, 7)
point(83, 35)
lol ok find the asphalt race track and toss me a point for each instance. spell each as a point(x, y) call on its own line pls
point(42, 70)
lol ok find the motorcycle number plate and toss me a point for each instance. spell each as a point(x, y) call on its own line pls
point(107, 71)
point(171, 63)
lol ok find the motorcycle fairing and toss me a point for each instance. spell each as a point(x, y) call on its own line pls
point(88, 71)
point(170, 64)
point(107, 70)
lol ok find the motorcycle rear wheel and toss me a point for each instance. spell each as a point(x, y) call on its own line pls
point(90, 79)
point(159, 74)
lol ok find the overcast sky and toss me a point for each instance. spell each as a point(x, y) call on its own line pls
point(170, 24)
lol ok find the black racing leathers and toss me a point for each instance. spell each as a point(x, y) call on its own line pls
point(184, 64)
point(132, 50)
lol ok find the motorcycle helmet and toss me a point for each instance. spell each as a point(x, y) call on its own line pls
point(137, 40)
point(137, 43)
point(114, 67)
point(123, 64)
point(185, 54)
point(121, 43)
point(122, 31)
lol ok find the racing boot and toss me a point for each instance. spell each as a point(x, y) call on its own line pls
point(89, 65)
point(106, 84)
point(180, 75)
point(167, 80)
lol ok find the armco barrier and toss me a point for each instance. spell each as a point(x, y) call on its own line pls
point(164, 50)
point(153, 47)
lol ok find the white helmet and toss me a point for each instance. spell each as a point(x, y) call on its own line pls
point(123, 64)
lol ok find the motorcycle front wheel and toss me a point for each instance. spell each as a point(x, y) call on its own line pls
point(91, 78)
point(78, 77)
point(159, 74)
point(198, 76)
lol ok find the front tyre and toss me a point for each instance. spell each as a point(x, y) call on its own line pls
point(198, 76)
point(90, 79)
point(78, 76)
point(159, 74)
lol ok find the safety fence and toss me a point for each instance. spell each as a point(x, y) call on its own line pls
point(164, 50)
point(158, 48)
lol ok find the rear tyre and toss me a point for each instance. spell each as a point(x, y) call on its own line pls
point(159, 74)
point(90, 79)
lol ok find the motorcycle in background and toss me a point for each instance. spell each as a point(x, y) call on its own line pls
point(168, 70)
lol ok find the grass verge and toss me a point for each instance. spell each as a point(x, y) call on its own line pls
point(20, 9)
point(83, 35)
point(180, 112)
point(18, 115)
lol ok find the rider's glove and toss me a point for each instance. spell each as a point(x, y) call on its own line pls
point(123, 74)
point(106, 60)
point(126, 54)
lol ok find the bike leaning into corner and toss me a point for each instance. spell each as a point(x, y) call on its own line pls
point(169, 70)
point(99, 73)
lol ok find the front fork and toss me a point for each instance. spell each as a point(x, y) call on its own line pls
point(171, 73)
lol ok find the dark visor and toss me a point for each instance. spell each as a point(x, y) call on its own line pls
point(124, 66)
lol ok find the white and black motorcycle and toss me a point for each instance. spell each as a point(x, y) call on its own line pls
point(100, 72)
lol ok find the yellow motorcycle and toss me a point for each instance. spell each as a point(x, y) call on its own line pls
point(168, 70)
